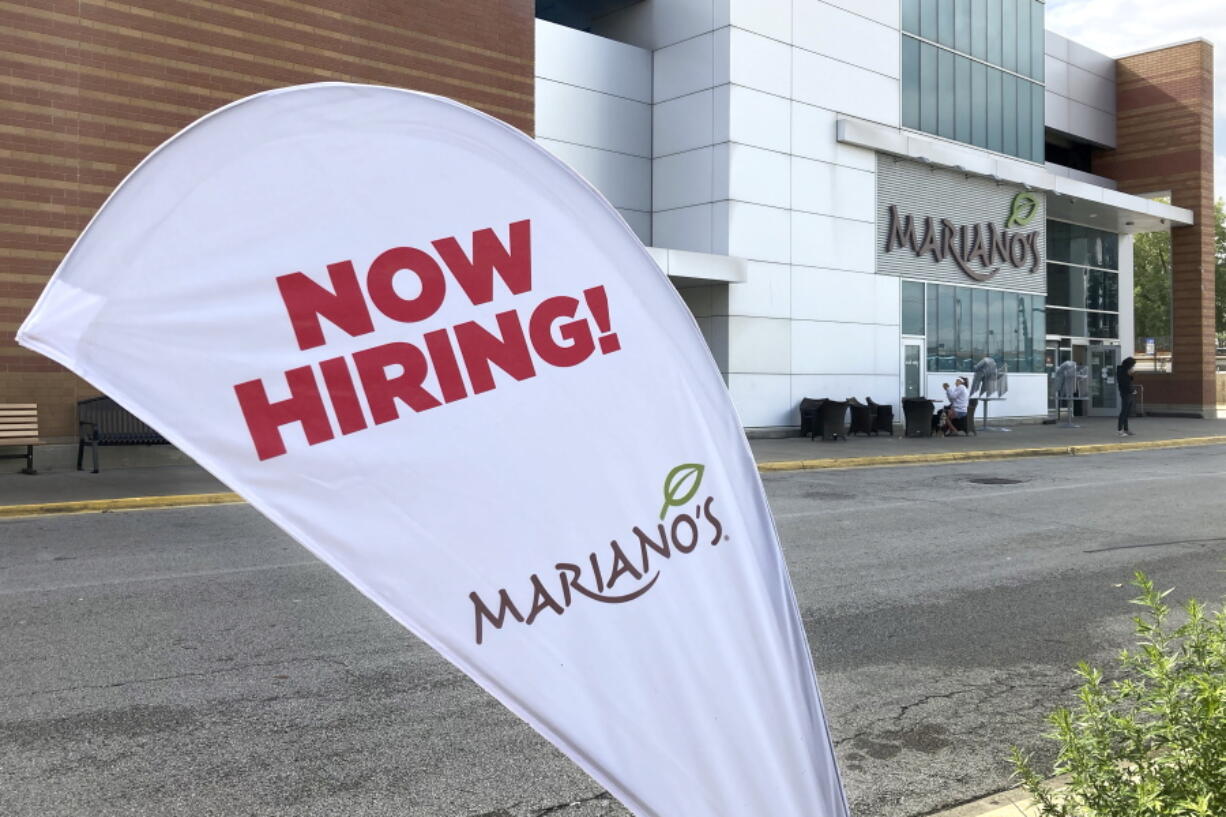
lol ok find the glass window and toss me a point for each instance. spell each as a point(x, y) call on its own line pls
point(979, 103)
point(1102, 290)
point(1058, 322)
point(1039, 327)
point(962, 97)
point(996, 325)
point(1023, 37)
point(994, 33)
point(910, 83)
point(994, 110)
point(1103, 325)
point(1057, 240)
point(1058, 284)
point(945, 22)
point(1026, 333)
point(928, 19)
point(1037, 39)
point(1008, 35)
point(962, 329)
point(962, 26)
point(1023, 119)
point(1037, 112)
point(1008, 106)
point(979, 30)
point(945, 94)
point(979, 324)
point(947, 341)
point(1111, 251)
point(911, 16)
point(933, 347)
point(928, 88)
point(912, 308)
point(1014, 311)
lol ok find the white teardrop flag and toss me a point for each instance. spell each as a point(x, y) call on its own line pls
point(437, 358)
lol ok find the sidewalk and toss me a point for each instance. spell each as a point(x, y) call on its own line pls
point(190, 484)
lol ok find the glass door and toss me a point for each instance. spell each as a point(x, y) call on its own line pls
point(1104, 394)
point(912, 368)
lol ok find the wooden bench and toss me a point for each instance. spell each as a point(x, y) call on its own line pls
point(104, 422)
point(19, 426)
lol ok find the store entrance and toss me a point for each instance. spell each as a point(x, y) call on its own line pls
point(1104, 395)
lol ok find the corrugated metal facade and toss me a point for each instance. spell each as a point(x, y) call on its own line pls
point(921, 191)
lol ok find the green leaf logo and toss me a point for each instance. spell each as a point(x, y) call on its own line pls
point(680, 485)
point(1025, 208)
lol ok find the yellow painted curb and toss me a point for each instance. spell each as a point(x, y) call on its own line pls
point(971, 456)
point(188, 500)
point(130, 503)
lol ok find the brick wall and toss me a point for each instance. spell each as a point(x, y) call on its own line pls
point(89, 87)
point(1164, 100)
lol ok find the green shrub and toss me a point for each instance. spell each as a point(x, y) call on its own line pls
point(1152, 744)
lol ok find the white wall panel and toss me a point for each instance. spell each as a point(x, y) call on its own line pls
point(759, 119)
point(833, 348)
point(682, 179)
point(844, 88)
point(833, 295)
point(640, 222)
point(655, 25)
point(569, 114)
point(684, 67)
point(596, 63)
point(770, 18)
point(887, 301)
point(1091, 89)
point(758, 176)
point(813, 136)
point(1055, 75)
point(883, 11)
point(1091, 60)
point(1091, 123)
point(762, 400)
point(759, 62)
point(684, 123)
point(1055, 113)
point(624, 180)
point(767, 293)
point(833, 190)
point(842, 35)
point(759, 345)
point(824, 241)
point(687, 228)
point(758, 233)
point(883, 389)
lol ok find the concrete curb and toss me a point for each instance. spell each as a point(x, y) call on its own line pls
point(189, 500)
point(130, 503)
point(1012, 803)
point(972, 456)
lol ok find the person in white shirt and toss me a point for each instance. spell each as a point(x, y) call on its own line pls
point(959, 398)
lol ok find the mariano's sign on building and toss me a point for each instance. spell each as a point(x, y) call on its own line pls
point(950, 227)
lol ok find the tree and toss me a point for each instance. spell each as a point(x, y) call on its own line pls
point(1152, 280)
point(1219, 278)
point(1152, 285)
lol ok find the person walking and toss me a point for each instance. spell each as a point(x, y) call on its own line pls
point(1123, 380)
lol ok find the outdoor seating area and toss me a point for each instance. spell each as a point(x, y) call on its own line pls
point(838, 419)
point(102, 421)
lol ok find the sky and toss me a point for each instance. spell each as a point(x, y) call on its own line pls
point(1118, 27)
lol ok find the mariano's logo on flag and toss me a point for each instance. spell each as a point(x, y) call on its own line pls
point(438, 359)
point(637, 565)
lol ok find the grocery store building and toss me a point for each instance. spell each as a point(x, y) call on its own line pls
point(855, 197)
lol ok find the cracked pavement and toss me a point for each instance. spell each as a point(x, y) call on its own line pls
point(197, 662)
